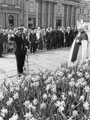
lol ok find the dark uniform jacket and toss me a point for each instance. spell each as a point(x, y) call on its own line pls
point(83, 36)
point(32, 37)
point(21, 44)
point(1, 38)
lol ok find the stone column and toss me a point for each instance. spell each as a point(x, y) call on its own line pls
point(15, 20)
point(48, 14)
point(72, 15)
point(3, 19)
point(43, 8)
point(67, 16)
point(55, 5)
point(63, 15)
point(36, 13)
point(27, 3)
point(77, 13)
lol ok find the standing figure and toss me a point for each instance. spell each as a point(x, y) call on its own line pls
point(48, 37)
point(1, 42)
point(21, 49)
point(68, 37)
point(81, 39)
point(32, 40)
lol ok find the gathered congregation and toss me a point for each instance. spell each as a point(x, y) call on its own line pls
point(39, 39)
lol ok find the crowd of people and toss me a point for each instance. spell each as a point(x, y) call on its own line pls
point(39, 39)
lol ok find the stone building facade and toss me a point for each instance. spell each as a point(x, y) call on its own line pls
point(34, 13)
point(84, 10)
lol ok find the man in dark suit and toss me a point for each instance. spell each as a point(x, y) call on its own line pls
point(68, 37)
point(32, 40)
point(1, 42)
point(21, 49)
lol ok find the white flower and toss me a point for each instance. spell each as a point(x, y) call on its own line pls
point(63, 96)
point(75, 113)
point(3, 110)
point(85, 66)
point(70, 93)
point(26, 103)
point(1, 118)
point(87, 88)
point(49, 80)
point(45, 96)
point(35, 101)
point(70, 118)
point(62, 103)
point(87, 75)
point(53, 89)
point(73, 106)
point(86, 105)
point(38, 78)
point(15, 96)
point(61, 108)
point(36, 84)
point(48, 87)
point(14, 117)
point(58, 103)
point(9, 102)
point(28, 116)
point(44, 77)
point(1, 96)
point(25, 89)
point(79, 74)
point(81, 98)
point(43, 105)
point(54, 97)
point(69, 76)
point(31, 106)
point(72, 83)
point(33, 118)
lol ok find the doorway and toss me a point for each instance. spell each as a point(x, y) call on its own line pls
point(58, 22)
point(11, 20)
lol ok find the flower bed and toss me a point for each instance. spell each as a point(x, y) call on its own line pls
point(60, 95)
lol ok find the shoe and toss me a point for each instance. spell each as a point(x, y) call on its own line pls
point(19, 75)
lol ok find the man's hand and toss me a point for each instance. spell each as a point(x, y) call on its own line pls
point(77, 41)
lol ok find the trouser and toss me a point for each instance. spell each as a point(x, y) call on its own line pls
point(20, 63)
point(75, 52)
point(1, 49)
point(84, 49)
point(33, 47)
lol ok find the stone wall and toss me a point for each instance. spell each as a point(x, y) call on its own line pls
point(84, 11)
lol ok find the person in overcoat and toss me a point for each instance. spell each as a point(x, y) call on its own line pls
point(1, 42)
point(68, 37)
point(32, 40)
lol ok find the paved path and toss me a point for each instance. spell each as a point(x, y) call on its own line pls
point(41, 60)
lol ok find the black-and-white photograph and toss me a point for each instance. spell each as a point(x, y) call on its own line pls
point(44, 59)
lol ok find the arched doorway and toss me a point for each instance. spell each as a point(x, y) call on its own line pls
point(11, 20)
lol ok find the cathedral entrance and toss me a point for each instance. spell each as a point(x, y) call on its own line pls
point(58, 22)
point(11, 20)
